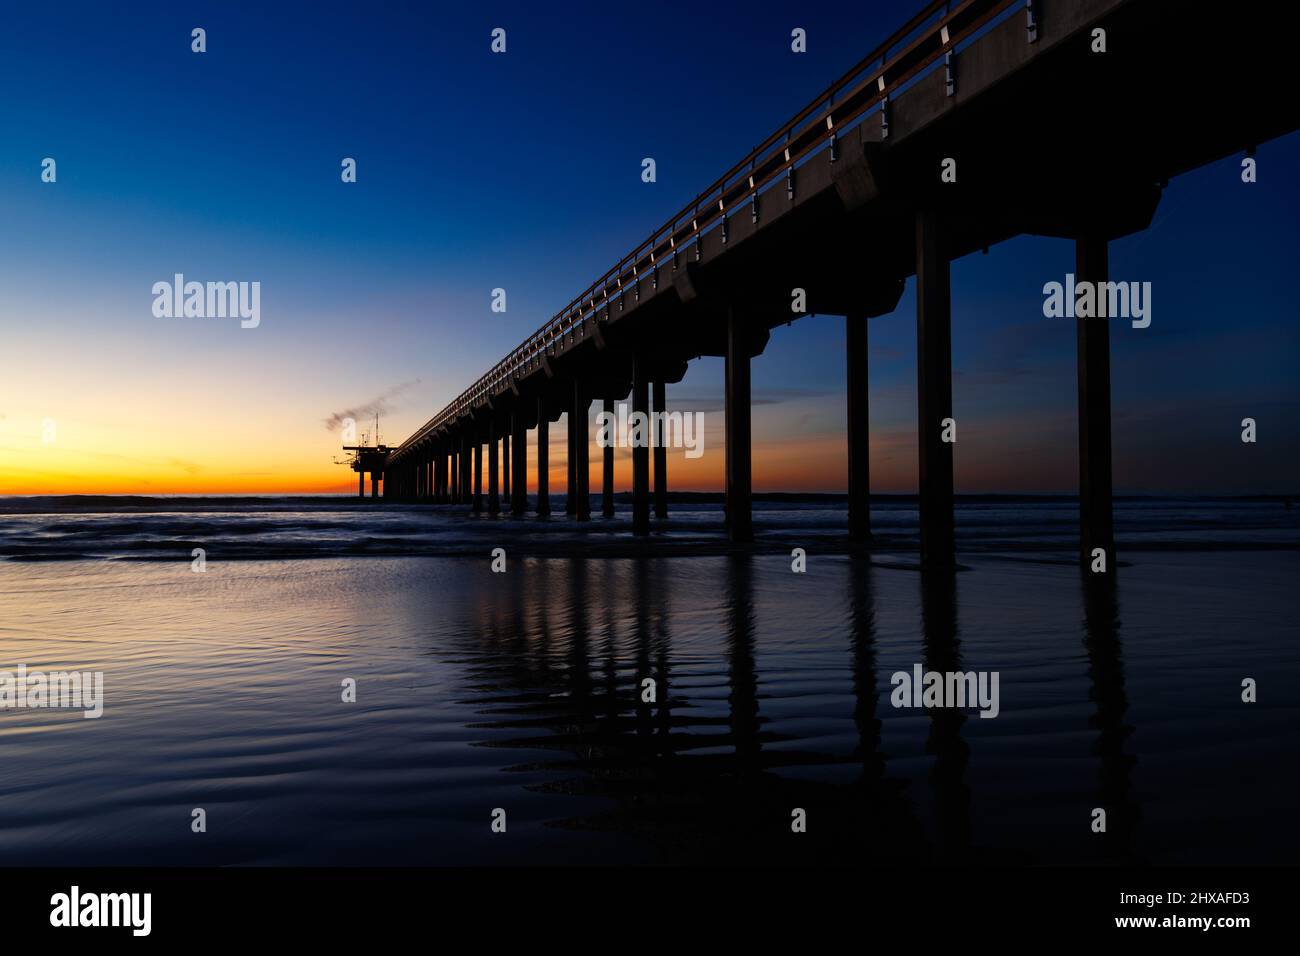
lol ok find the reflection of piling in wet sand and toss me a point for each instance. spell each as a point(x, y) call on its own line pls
point(1101, 625)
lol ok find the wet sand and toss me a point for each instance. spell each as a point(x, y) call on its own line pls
point(522, 691)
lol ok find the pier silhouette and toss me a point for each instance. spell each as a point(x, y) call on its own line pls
point(975, 122)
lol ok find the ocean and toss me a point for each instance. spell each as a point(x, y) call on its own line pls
point(521, 697)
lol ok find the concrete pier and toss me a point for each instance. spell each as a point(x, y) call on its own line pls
point(519, 466)
point(505, 465)
point(841, 206)
point(640, 451)
point(1096, 520)
point(543, 458)
point(859, 440)
point(478, 477)
point(660, 455)
point(740, 519)
point(934, 390)
point(607, 471)
point(494, 493)
point(571, 457)
point(581, 452)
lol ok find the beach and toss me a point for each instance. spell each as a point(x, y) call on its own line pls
point(523, 691)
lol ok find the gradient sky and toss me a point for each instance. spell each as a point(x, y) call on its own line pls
point(522, 171)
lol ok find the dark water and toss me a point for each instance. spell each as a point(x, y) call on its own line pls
point(522, 690)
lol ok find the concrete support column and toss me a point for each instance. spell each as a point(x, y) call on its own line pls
point(571, 486)
point(478, 476)
point(374, 484)
point(855, 327)
point(519, 449)
point(462, 490)
point(494, 496)
point(543, 458)
point(1096, 519)
point(361, 484)
point(640, 451)
point(453, 465)
point(505, 465)
point(660, 454)
point(466, 471)
point(934, 390)
point(582, 452)
point(740, 518)
point(607, 483)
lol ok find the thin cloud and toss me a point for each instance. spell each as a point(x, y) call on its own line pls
point(376, 406)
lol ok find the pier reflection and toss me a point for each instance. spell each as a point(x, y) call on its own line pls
point(1101, 627)
point(682, 710)
point(941, 651)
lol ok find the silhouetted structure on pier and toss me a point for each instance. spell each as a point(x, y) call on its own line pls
point(843, 203)
point(372, 460)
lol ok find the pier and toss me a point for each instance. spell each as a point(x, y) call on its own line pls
point(975, 122)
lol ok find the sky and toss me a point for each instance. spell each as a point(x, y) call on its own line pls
point(522, 171)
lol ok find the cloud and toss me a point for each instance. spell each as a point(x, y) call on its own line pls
point(376, 406)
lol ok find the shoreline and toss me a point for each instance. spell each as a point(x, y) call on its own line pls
point(87, 503)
